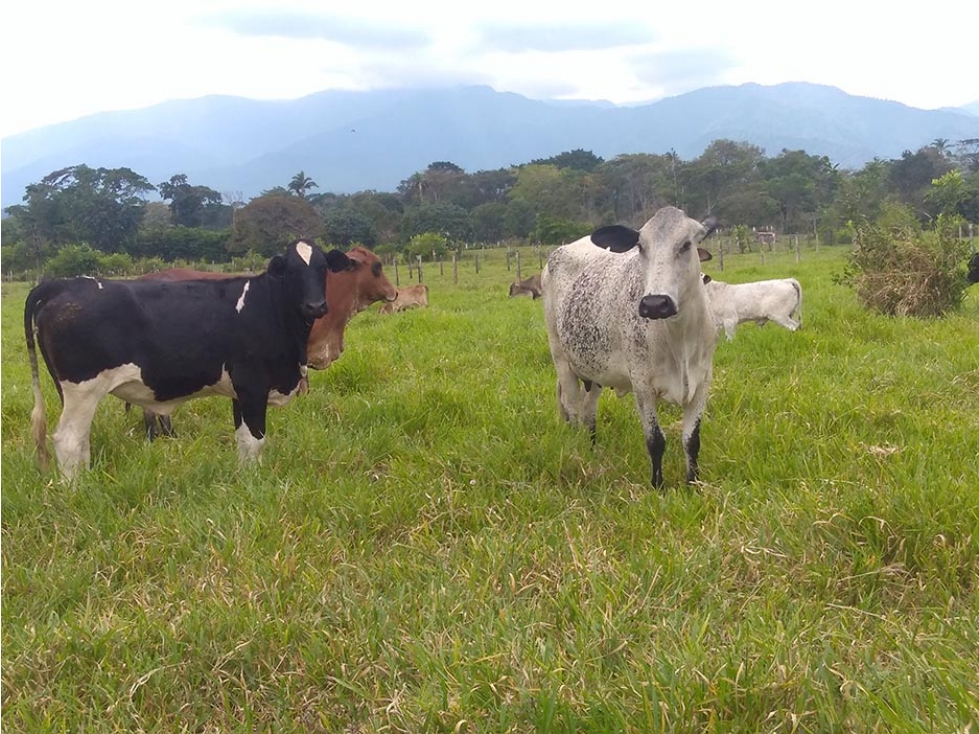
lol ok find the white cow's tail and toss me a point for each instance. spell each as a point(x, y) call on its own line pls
point(39, 424)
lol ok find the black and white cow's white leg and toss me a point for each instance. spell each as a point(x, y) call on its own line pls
point(655, 440)
point(72, 439)
point(692, 414)
point(249, 428)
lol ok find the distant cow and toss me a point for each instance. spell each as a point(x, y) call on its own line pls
point(348, 292)
point(412, 296)
point(529, 287)
point(973, 274)
point(627, 310)
point(157, 344)
point(761, 301)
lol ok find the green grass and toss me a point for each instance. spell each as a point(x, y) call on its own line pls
point(425, 547)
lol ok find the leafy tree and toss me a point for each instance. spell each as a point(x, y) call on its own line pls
point(182, 243)
point(801, 184)
point(427, 244)
point(441, 182)
point(343, 226)
point(193, 206)
point(448, 220)
point(300, 184)
point(100, 206)
point(268, 223)
point(636, 185)
point(519, 219)
point(488, 221)
point(550, 231)
point(578, 159)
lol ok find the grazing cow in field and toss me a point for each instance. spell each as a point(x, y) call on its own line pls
point(412, 296)
point(348, 292)
point(761, 301)
point(529, 287)
point(973, 274)
point(157, 344)
point(627, 310)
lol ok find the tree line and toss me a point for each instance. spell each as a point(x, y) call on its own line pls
point(114, 212)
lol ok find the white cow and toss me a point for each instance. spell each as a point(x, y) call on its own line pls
point(634, 319)
point(760, 301)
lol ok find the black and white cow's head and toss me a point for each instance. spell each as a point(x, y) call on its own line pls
point(668, 253)
point(302, 271)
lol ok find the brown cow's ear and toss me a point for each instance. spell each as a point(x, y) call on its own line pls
point(277, 266)
point(704, 254)
point(337, 261)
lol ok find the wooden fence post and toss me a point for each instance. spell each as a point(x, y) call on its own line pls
point(508, 258)
point(477, 262)
point(397, 280)
point(720, 254)
point(455, 270)
point(441, 271)
point(540, 260)
point(419, 268)
point(517, 254)
point(797, 248)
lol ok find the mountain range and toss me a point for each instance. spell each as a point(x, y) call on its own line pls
point(352, 141)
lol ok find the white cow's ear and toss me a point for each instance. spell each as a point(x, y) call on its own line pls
point(704, 254)
point(615, 237)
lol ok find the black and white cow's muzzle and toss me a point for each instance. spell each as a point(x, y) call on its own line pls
point(657, 307)
point(314, 310)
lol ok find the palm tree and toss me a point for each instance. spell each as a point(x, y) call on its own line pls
point(941, 145)
point(301, 183)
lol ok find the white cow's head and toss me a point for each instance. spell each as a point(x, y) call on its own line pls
point(670, 256)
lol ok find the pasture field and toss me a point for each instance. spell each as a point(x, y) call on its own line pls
point(427, 548)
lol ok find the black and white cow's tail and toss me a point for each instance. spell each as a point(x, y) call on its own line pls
point(39, 424)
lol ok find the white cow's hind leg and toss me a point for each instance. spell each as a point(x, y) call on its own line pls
point(786, 321)
point(589, 408)
point(568, 393)
point(72, 438)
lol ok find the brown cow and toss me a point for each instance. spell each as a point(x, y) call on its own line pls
point(412, 296)
point(347, 293)
point(529, 287)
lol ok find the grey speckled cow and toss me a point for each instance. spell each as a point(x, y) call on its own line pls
point(627, 310)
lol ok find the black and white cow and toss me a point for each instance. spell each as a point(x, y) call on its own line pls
point(158, 344)
point(972, 275)
point(627, 310)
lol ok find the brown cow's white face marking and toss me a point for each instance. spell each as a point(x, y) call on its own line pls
point(241, 300)
point(304, 251)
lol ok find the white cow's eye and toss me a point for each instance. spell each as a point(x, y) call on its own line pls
point(684, 247)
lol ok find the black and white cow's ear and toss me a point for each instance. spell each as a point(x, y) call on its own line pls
point(277, 266)
point(615, 237)
point(337, 261)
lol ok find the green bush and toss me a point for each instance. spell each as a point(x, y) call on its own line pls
point(899, 270)
point(74, 260)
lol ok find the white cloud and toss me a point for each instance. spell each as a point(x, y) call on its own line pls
point(66, 60)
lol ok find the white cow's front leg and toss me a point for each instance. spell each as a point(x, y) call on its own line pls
point(655, 440)
point(568, 393)
point(692, 414)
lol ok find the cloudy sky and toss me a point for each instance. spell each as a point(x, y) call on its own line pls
point(63, 60)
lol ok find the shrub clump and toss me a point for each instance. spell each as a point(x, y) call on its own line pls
point(902, 271)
